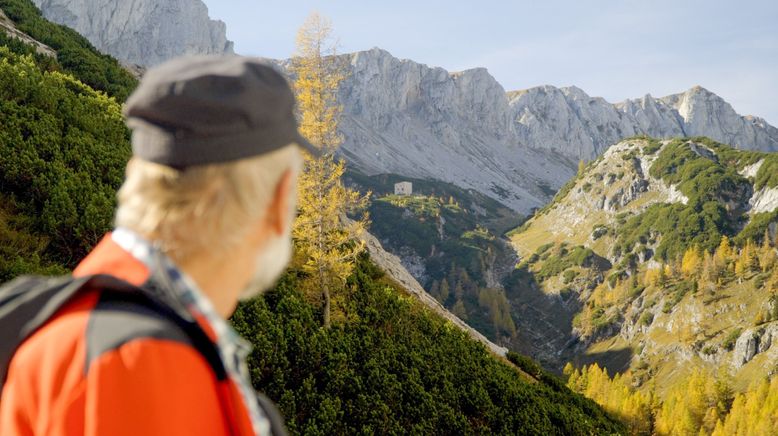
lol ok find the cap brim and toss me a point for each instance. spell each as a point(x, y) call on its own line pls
point(307, 146)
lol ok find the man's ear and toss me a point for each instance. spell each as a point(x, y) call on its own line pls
point(277, 218)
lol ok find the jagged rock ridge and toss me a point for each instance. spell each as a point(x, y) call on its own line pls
point(142, 32)
point(410, 119)
point(407, 118)
point(582, 127)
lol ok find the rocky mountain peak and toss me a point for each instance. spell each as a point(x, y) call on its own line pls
point(411, 119)
point(142, 32)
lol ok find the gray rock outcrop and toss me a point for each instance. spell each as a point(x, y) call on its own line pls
point(142, 32)
point(410, 119)
point(9, 28)
point(752, 342)
point(417, 121)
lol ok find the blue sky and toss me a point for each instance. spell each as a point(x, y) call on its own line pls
point(615, 49)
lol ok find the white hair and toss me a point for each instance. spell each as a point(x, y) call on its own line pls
point(207, 207)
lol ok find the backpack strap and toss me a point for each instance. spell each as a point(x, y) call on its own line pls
point(115, 292)
point(26, 303)
point(277, 426)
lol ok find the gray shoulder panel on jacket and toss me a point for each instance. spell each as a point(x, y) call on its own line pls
point(115, 322)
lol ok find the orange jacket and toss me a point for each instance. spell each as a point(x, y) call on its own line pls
point(115, 371)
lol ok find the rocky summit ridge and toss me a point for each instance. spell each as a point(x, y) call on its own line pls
point(579, 126)
point(410, 119)
point(406, 118)
point(142, 32)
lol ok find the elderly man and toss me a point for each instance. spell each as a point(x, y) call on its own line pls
point(136, 342)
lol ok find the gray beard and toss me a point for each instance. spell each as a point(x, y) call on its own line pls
point(270, 264)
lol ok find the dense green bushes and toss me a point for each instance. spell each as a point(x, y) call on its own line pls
point(20, 247)
point(395, 368)
point(699, 174)
point(553, 262)
point(767, 176)
point(676, 227)
point(710, 180)
point(755, 229)
point(75, 54)
point(63, 148)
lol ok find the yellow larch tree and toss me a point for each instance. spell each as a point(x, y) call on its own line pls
point(615, 395)
point(741, 270)
point(753, 413)
point(723, 253)
point(750, 254)
point(767, 256)
point(326, 239)
point(710, 272)
point(692, 261)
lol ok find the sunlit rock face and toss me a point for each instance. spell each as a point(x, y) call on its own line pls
point(407, 118)
point(410, 119)
point(142, 32)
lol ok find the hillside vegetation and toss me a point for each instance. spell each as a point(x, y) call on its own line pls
point(663, 255)
point(385, 365)
point(451, 240)
point(75, 54)
point(392, 367)
point(62, 151)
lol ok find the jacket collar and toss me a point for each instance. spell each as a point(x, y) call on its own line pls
point(109, 258)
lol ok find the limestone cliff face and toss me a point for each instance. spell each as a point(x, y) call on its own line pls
point(568, 120)
point(142, 32)
point(706, 114)
point(410, 119)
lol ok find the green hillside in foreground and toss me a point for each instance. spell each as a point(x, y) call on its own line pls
point(62, 151)
point(387, 365)
point(663, 256)
point(393, 367)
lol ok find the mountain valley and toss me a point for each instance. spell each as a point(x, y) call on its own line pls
point(628, 247)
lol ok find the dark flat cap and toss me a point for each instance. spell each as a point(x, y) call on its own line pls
point(198, 110)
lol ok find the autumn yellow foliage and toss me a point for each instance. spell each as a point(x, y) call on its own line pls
point(326, 240)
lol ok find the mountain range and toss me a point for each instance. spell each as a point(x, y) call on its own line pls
point(518, 147)
point(406, 118)
point(656, 259)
